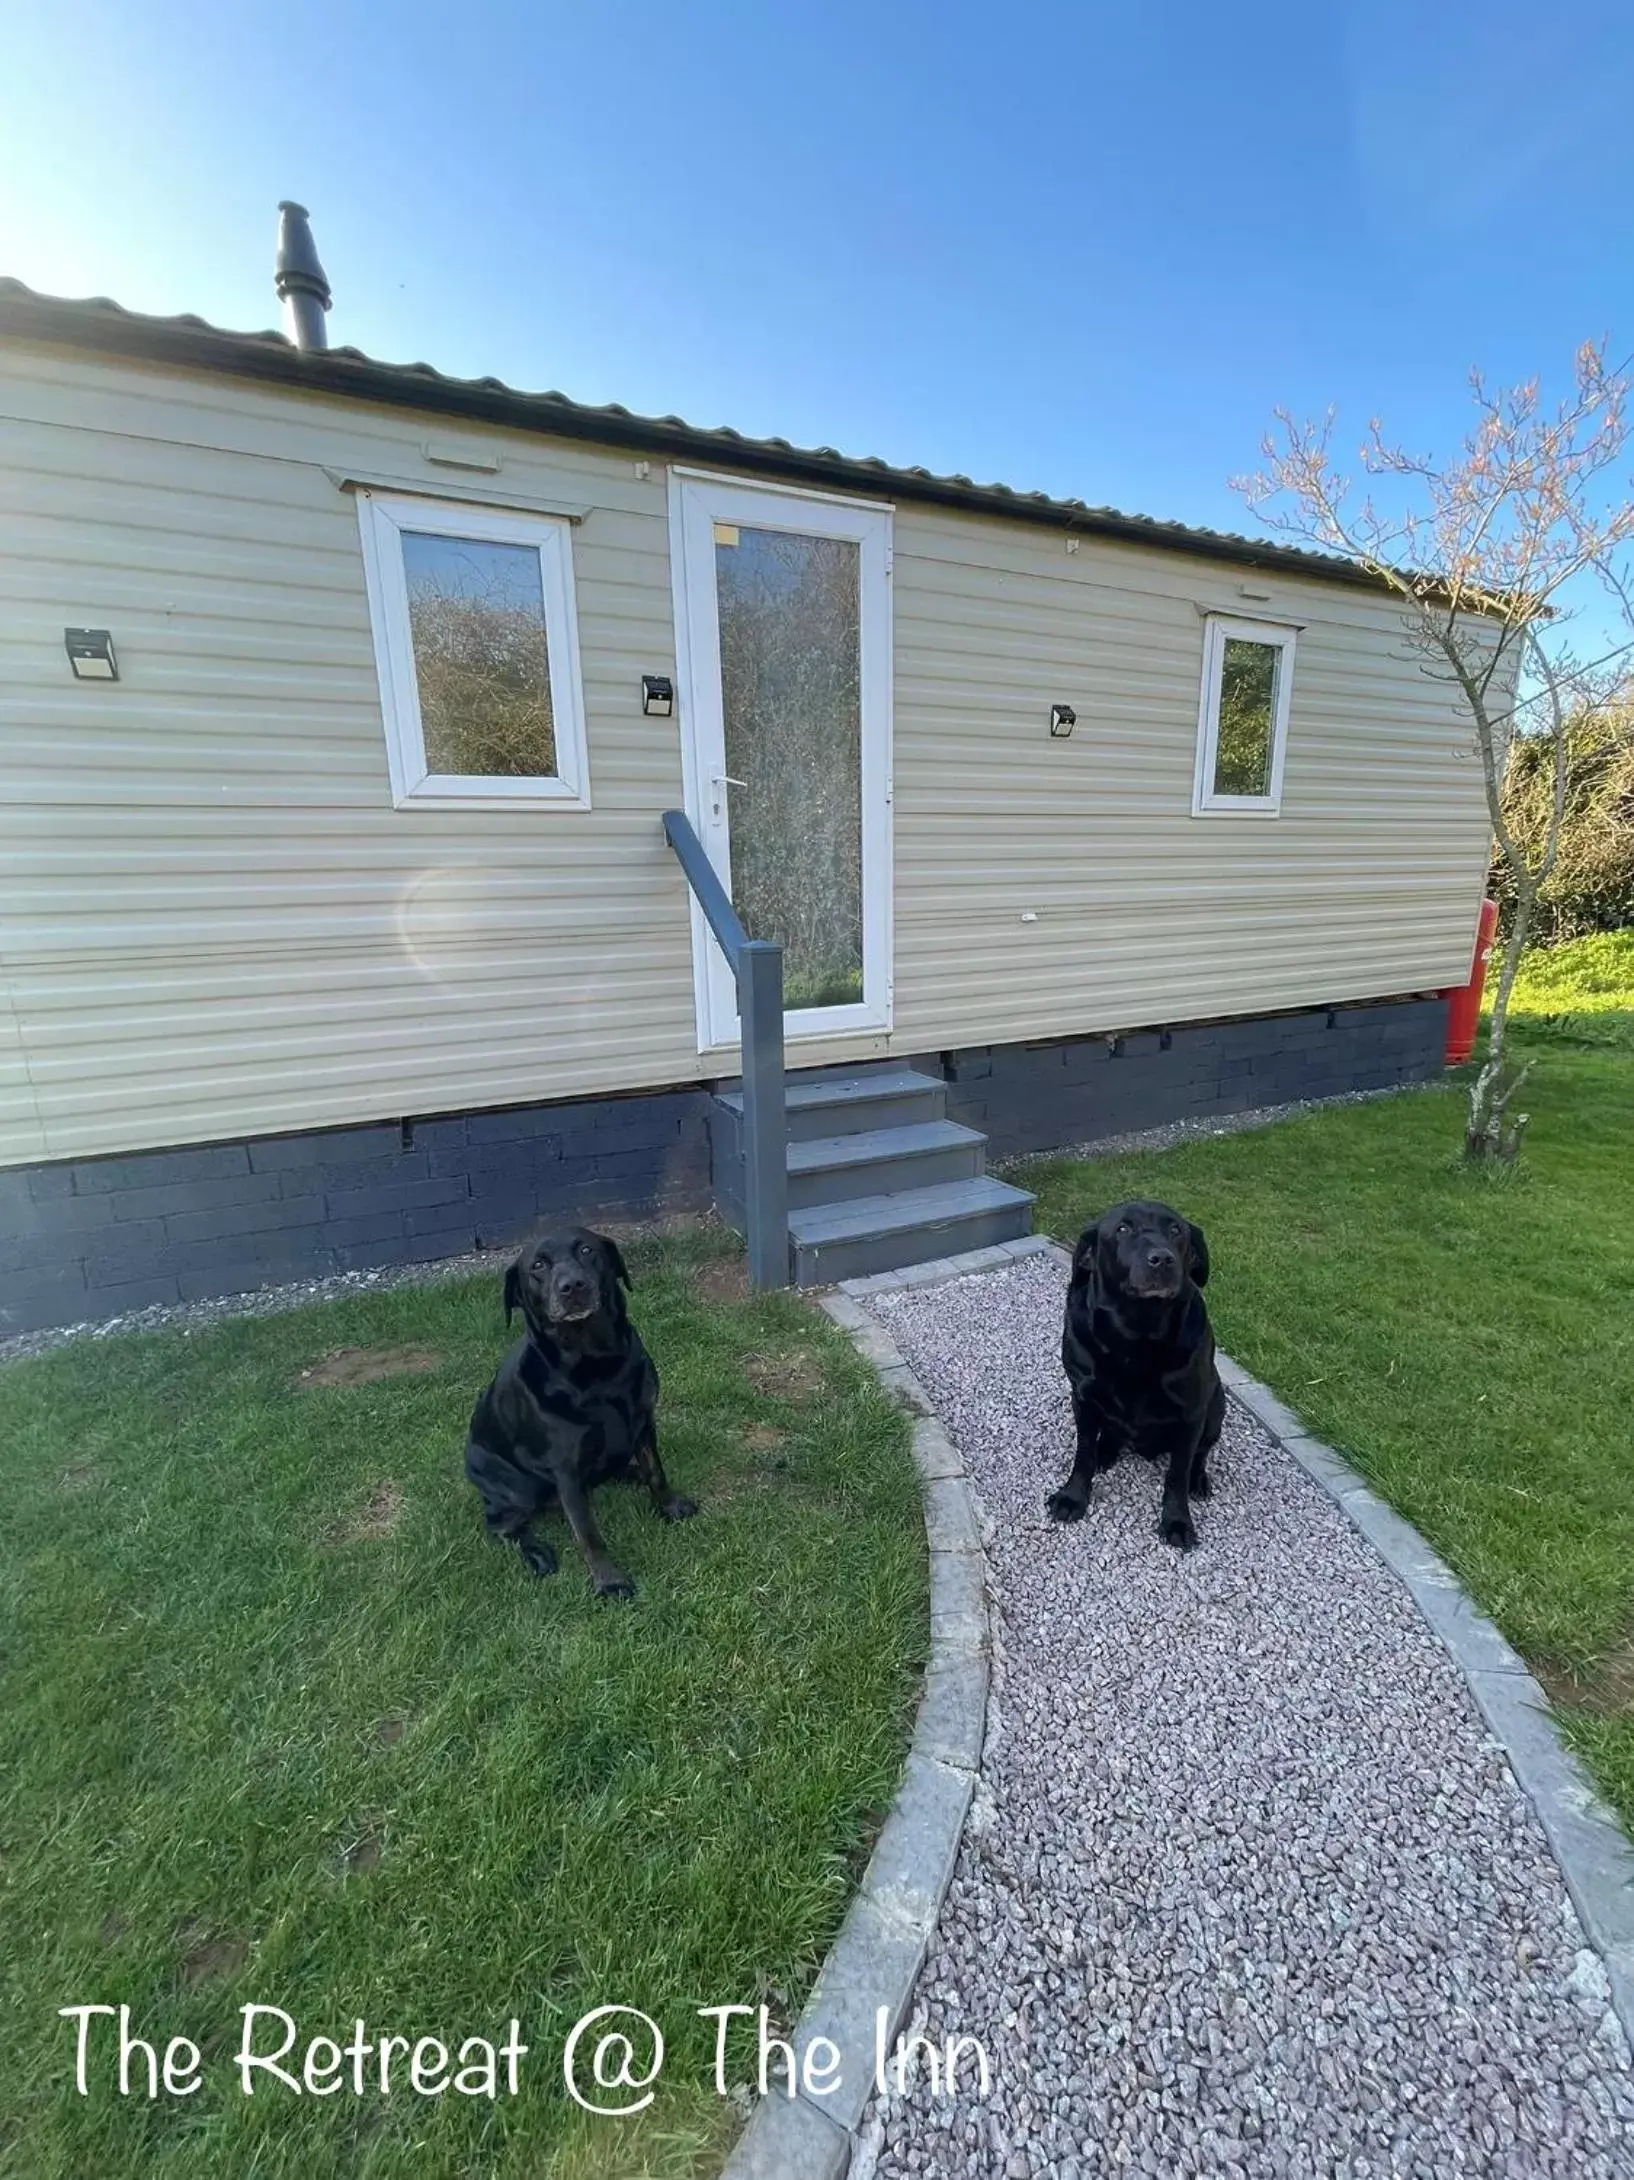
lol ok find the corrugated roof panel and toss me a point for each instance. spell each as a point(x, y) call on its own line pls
point(191, 343)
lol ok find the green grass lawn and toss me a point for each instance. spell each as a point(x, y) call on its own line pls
point(1581, 993)
point(1467, 1341)
point(281, 1725)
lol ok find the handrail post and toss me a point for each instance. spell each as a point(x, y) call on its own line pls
point(765, 1125)
point(757, 964)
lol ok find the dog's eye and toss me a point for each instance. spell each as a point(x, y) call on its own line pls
point(584, 1252)
point(1124, 1227)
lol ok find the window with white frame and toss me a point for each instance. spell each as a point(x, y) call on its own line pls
point(1242, 729)
point(476, 641)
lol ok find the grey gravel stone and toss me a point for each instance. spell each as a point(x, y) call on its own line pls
point(1246, 1888)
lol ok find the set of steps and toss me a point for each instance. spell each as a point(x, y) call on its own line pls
point(879, 1177)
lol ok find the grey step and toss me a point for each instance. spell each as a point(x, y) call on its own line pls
point(829, 1169)
point(853, 1103)
point(881, 1233)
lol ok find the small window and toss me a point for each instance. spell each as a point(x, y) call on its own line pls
point(477, 646)
point(1248, 671)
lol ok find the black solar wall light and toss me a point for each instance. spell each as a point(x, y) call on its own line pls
point(90, 654)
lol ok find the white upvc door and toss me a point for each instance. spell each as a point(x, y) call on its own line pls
point(783, 640)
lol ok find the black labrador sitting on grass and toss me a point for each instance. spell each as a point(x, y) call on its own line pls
point(1139, 1355)
point(571, 1406)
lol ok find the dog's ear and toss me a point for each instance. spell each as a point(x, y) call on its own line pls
point(513, 1288)
point(1083, 1256)
point(619, 1265)
point(1199, 1255)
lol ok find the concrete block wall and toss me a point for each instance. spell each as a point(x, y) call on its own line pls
point(85, 1241)
point(1030, 1098)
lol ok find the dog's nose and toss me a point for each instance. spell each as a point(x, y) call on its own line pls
point(1161, 1260)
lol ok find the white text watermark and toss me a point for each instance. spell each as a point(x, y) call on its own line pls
point(611, 2060)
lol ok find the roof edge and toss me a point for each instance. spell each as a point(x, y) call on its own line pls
point(107, 328)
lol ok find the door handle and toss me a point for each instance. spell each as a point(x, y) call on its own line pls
point(718, 785)
point(725, 779)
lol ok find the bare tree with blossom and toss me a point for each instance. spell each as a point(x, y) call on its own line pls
point(1479, 550)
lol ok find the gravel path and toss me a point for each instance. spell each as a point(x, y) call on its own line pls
point(1246, 1887)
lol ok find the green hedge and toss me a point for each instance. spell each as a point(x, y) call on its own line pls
point(1592, 885)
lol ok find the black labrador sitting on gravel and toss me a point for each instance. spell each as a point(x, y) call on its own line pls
point(571, 1406)
point(1139, 1355)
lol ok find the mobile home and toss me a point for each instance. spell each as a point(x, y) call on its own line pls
point(341, 706)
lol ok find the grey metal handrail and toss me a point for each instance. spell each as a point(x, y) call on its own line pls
point(757, 964)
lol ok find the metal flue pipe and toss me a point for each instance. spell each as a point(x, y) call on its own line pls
point(303, 286)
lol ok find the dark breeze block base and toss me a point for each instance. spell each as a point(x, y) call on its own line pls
point(83, 1241)
point(86, 1241)
point(1034, 1098)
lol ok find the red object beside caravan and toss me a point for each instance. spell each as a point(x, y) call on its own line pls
point(1464, 1014)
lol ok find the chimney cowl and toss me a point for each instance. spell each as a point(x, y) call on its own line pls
point(302, 284)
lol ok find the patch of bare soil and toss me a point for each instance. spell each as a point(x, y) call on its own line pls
point(377, 1517)
point(763, 1437)
point(1607, 1692)
point(785, 1377)
point(750, 1481)
point(390, 1731)
point(358, 1856)
point(725, 1279)
point(205, 1958)
point(79, 1476)
point(349, 1366)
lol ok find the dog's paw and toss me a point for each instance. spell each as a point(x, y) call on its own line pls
point(537, 1556)
point(1176, 1529)
point(1064, 1506)
point(675, 1508)
point(1202, 1487)
point(611, 1583)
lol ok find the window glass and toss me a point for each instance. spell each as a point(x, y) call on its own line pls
point(481, 656)
point(1247, 717)
point(791, 695)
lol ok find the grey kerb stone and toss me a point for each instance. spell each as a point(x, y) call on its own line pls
point(869, 1976)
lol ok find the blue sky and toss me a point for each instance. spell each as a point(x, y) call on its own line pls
point(1078, 248)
